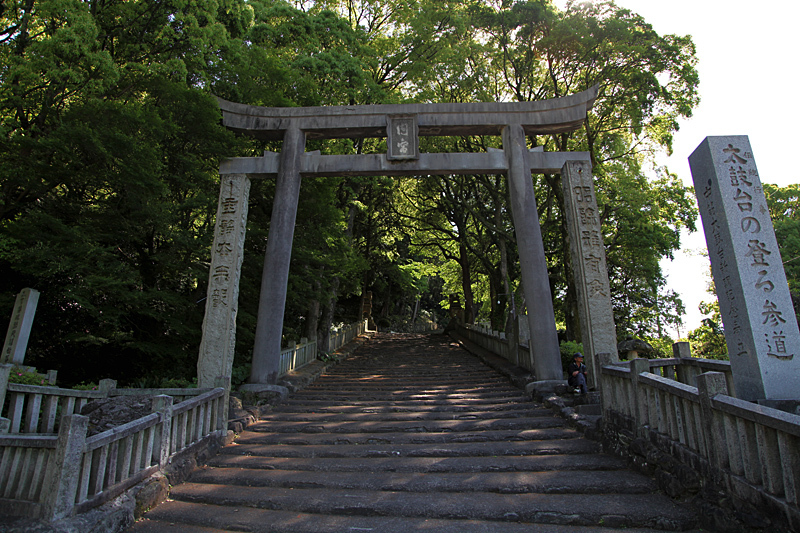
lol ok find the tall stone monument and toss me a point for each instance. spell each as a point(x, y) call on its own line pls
point(589, 265)
point(19, 327)
point(222, 301)
point(760, 325)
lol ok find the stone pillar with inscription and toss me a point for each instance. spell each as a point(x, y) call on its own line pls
point(588, 265)
point(19, 327)
point(222, 301)
point(760, 325)
point(544, 347)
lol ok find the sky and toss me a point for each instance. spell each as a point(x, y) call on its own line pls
point(748, 67)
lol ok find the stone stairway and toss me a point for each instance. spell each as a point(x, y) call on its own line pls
point(412, 433)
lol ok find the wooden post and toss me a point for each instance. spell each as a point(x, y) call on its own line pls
point(63, 469)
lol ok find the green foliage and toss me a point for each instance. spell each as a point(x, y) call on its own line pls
point(111, 142)
point(568, 350)
point(85, 386)
point(784, 208)
point(239, 375)
point(24, 377)
point(708, 340)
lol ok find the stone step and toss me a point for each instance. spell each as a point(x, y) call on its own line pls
point(414, 436)
point(628, 510)
point(462, 377)
point(513, 463)
point(347, 396)
point(323, 408)
point(370, 415)
point(186, 517)
point(561, 482)
point(481, 403)
point(402, 426)
point(254, 437)
point(433, 449)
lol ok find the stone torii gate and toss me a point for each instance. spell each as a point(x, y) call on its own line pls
point(402, 125)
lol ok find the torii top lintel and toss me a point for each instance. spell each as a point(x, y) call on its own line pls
point(556, 115)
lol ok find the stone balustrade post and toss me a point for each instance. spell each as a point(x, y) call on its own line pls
point(709, 385)
point(161, 443)
point(52, 375)
point(63, 469)
point(107, 386)
point(5, 372)
point(640, 403)
point(682, 350)
point(5, 426)
point(225, 383)
point(606, 392)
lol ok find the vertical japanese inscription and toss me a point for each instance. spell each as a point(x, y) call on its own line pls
point(588, 263)
point(747, 268)
point(219, 324)
point(402, 137)
point(224, 247)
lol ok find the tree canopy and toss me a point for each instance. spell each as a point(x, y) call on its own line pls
point(110, 141)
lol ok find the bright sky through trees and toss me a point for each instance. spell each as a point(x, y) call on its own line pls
point(747, 87)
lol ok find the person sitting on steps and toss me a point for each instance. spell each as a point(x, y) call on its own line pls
point(576, 374)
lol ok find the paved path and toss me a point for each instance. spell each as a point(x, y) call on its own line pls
point(412, 433)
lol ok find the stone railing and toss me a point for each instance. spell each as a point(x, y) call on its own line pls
point(52, 476)
point(716, 444)
point(36, 409)
point(684, 368)
point(424, 326)
point(496, 342)
point(340, 337)
point(298, 356)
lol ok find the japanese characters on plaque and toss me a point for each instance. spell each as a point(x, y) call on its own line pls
point(760, 326)
point(402, 137)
